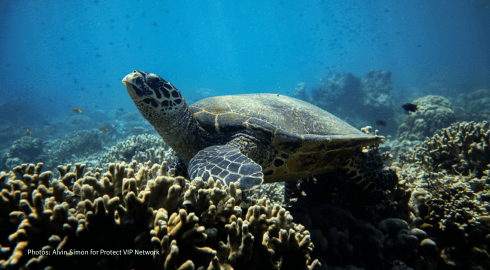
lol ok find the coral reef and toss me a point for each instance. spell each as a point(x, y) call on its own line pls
point(378, 89)
point(435, 215)
point(8, 131)
point(477, 102)
point(350, 97)
point(434, 112)
point(75, 145)
point(25, 149)
point(141, 148)
point(87, 146)
point(355, 224)
point(134, 216)
point(336, 89)
point(462, 148)
point(473, 107)
point(452, 211)
point(273, 192)
point(450, 202)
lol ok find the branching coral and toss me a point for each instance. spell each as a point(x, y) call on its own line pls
point(460, 149)
point(141, 148)
point(95, 218)
point(449, 174)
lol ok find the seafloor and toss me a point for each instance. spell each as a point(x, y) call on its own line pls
point(101, 198)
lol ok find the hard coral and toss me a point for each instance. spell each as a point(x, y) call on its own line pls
point(460, 149)
point(143, 147)
point(120, 219)
point(354, 223)
point(451, 202)
point(434, 112)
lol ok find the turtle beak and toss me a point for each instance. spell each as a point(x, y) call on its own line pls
point(128, 81)
point(130, 77)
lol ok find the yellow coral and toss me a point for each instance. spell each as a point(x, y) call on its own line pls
point(118, 210)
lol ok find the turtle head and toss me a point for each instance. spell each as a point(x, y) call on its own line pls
point(163, 106)
point(153, 96)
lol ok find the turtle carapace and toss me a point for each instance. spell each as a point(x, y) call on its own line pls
point(247, 139)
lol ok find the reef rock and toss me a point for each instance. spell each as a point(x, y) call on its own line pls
point(349, 97)
point(337, 91)
point(477, 101)
point(25, 149)
point(474, 106)
point(378, 89)
point(434, 112)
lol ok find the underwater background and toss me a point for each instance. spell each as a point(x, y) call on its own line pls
point(62, 102)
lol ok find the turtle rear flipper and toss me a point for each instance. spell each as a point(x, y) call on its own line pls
point(227, 164)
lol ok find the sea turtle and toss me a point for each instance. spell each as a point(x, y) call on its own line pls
point(248, 139)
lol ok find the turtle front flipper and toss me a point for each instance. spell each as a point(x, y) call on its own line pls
point(227, 164)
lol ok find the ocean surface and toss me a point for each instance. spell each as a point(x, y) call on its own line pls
point(62, 63)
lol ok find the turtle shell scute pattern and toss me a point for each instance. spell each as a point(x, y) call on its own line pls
point(269, 113)
point(367, 171)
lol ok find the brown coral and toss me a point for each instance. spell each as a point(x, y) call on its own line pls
point(459, 149)
point(449, 173)
point(176, 223)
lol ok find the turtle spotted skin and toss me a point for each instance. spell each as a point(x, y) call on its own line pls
point(247, 139)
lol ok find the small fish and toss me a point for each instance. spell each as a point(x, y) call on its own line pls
point(76, 110)
point(409, 107)
point(381, 123)
point(121, 109)
point(28, 133)
point(103, 128)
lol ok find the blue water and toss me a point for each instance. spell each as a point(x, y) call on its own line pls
point(56, 55)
